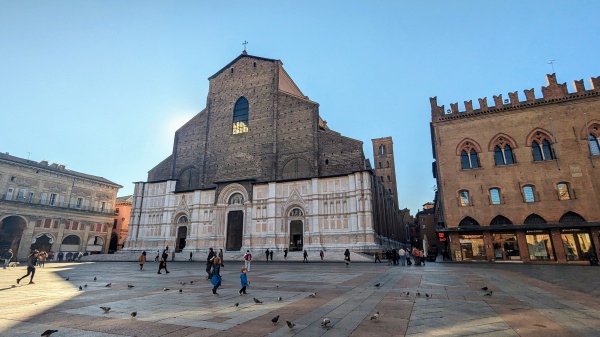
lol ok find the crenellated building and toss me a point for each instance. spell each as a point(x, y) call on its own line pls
point(50, 208)
point(259, 168)
point(520, 180)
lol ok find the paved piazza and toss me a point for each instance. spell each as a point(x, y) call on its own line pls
point(526, 301)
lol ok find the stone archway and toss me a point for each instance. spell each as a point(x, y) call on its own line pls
point(11, 230)
point(42, 243)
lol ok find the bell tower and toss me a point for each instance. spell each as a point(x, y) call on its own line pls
point(383, 153)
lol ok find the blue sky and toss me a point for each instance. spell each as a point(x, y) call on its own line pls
point(101, 86)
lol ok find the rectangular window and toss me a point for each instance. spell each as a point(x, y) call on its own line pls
point(9, 194)
point(472, 247)
point(115, 224)
point(102, 206)
point(563, 192)
point(79, 203)
point(31, 195)
point(38, 223)
point(52, 199)
point(495, 196)
point(528, 193)
point(55, 225)
point(506, 247)
point(47, 223)
point(21, 194)
point(464, 198)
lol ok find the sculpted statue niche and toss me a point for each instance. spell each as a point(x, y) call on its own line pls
point(296, 212)
point(236, 199)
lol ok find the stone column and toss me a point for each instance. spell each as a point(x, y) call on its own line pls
point(26, 237)
point(83, 246)
point(559, 249)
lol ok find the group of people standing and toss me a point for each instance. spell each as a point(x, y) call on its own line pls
point(402, 257)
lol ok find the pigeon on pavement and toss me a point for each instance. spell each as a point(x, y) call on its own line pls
point(106, 309)
point(48, 333)
point(375, 316)
point(80, 288)
point(191, 282)
point(257, 301)
point(237, 304)
point(65, 280)
point(325, 322)
point(377, 285)
point(183, 283)
point(108, 285)
point(290, 325)
point(279, 298)
point(180, 290)
point(95, 278)
point(418, 293)
point(85, 285)
point(275, 319)
point(313, 295)
point(484, 288)
point(489, 293)
point(133, 314)
point(130, 286)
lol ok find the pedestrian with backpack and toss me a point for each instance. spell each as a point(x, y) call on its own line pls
point(247, 260)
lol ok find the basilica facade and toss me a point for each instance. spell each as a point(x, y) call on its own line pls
point(259, 168)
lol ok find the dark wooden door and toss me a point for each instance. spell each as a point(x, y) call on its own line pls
point(296, 235)
point(235, 230)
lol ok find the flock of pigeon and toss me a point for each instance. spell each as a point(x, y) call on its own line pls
point(291, 325)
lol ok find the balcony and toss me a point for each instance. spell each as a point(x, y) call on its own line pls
point(38, 202)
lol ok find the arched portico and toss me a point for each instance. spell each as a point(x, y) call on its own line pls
point(11, 231)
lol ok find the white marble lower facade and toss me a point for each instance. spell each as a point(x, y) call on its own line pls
point(332, 213)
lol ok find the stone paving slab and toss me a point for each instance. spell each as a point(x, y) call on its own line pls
point(451, 302)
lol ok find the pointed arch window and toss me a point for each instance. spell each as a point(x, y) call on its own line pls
point(240, 116)
point(541, 147)
point(571, 217)
point(533, 219)
point(500, 220)
point(469, 160)
point(382, 149)
point(503, 155)
point(468, 222)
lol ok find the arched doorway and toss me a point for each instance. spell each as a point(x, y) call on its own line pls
point(11, 230)
point(181, 235)
point(42, 243)
point(70, 243)
point(114, 243)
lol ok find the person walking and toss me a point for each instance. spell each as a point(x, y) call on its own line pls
point(247, 260)
point(271, 254)
point(142, 260)
point(347, 255)
point(267, 254)
point(285, 251)
point(305, 256)
point(42, 259)
point(209, 262)
point(244, 281)
point(191, 254)
point(216, 275)
point(402, 254)
point(221, 257)
point(31, 262)
point(7, 257)
point(321, 254)
point(377, 258)
point(162, 265)
point(61, 256)
point(165, 254)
